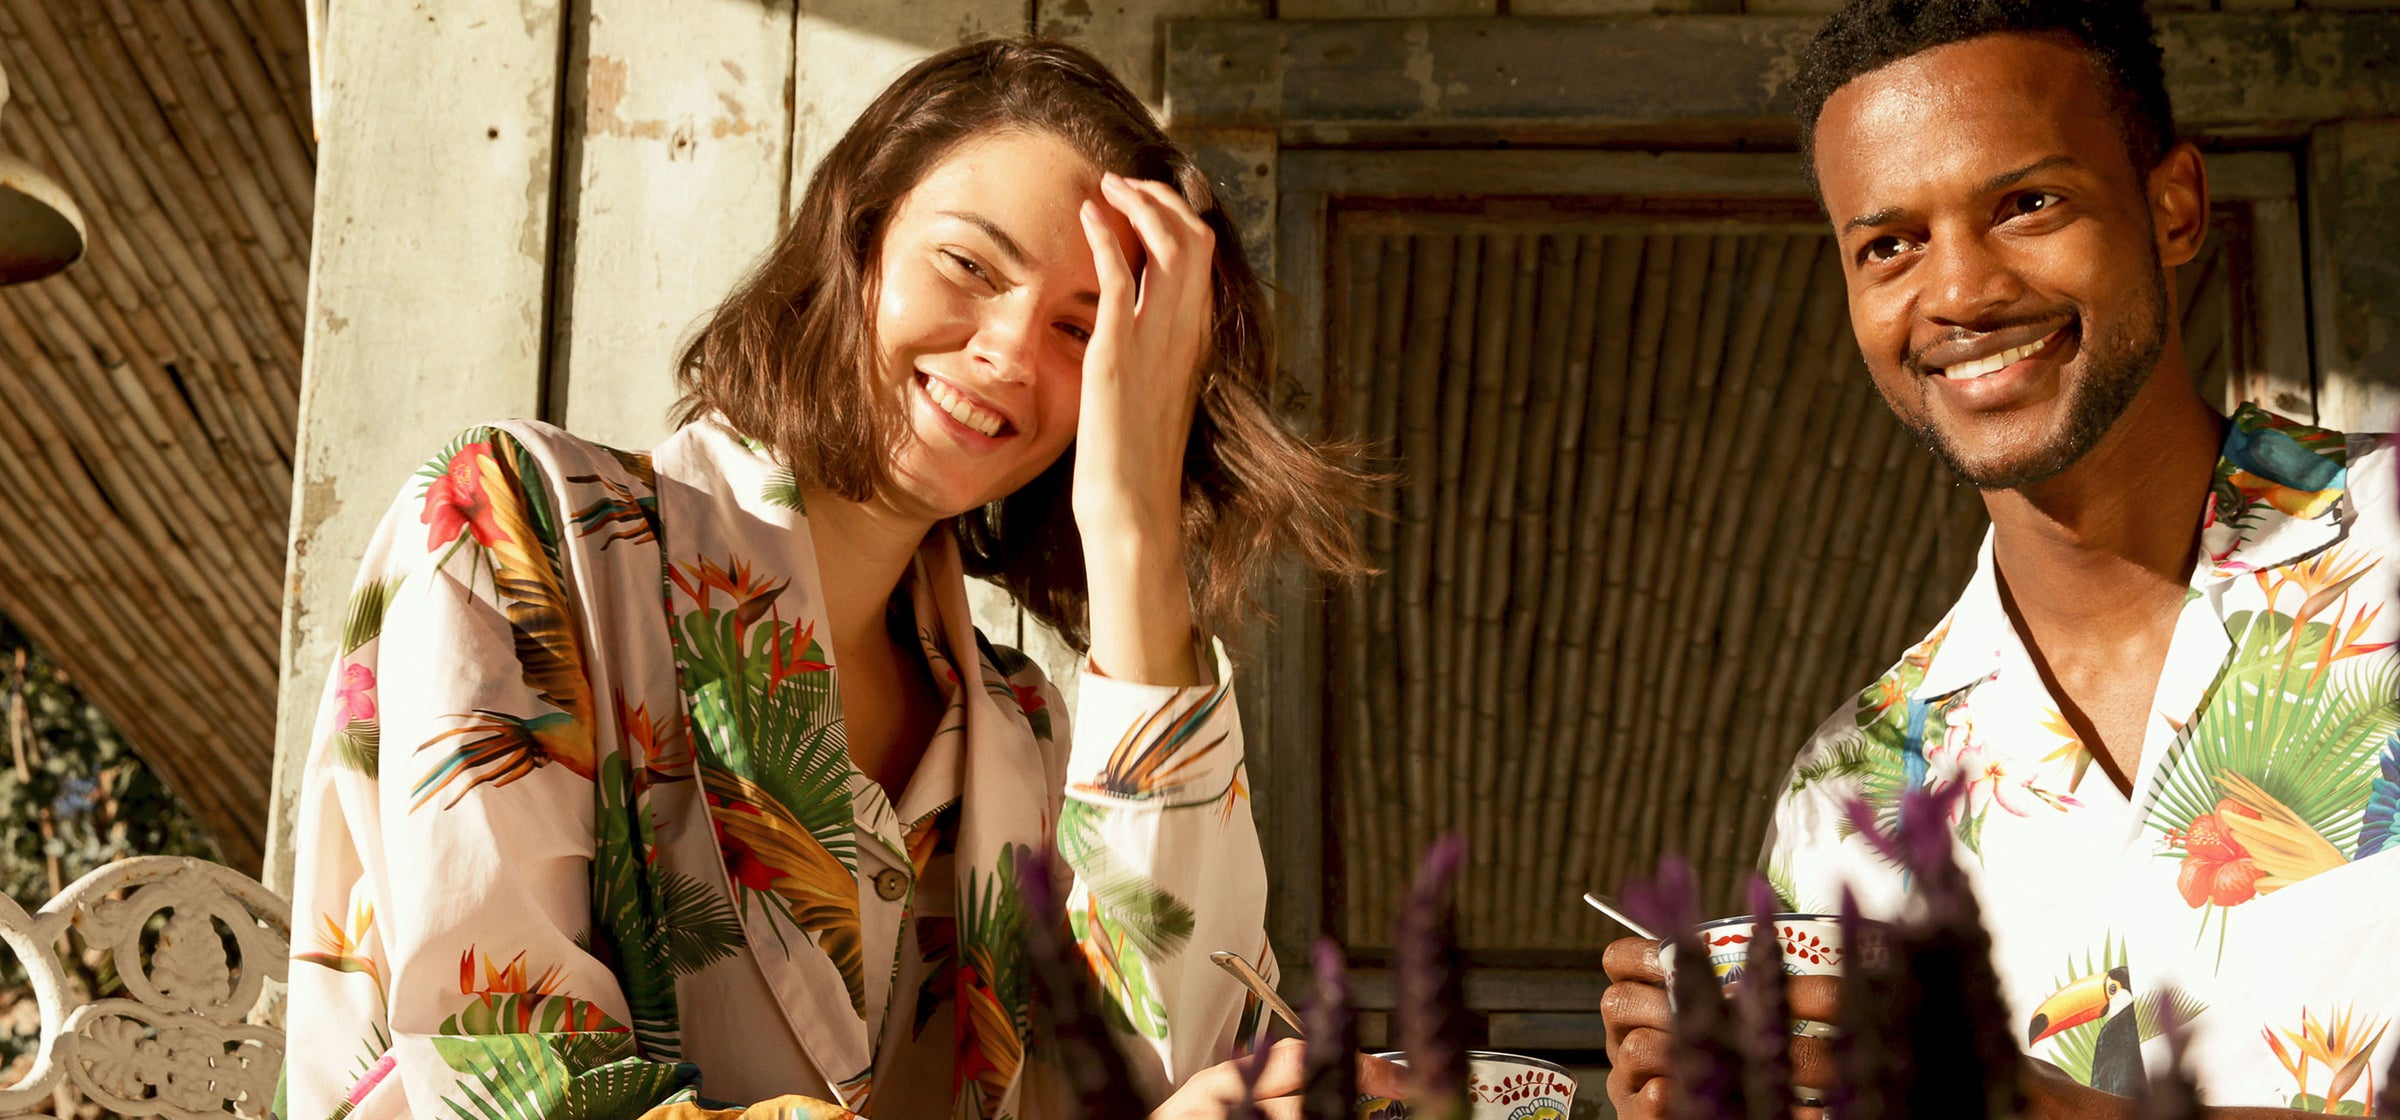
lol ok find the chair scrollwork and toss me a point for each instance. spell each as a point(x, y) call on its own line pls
point(194, 945)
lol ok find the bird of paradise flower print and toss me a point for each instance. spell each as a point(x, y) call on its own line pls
point(2342, 1044)
point(493, 490)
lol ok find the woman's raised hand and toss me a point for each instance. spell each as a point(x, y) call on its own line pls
point(1141, 367)
point(1140, 384)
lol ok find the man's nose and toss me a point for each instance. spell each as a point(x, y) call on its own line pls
point(1966, 281)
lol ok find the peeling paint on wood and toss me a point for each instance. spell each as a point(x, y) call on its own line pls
point(434, 179)
point(680, 182)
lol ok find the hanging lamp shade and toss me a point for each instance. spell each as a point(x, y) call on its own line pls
point(40, 229)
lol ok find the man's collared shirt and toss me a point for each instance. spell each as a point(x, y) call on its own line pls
point(2253, 868)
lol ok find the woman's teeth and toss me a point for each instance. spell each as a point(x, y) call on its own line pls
point(960, 408)
point(1969, 371)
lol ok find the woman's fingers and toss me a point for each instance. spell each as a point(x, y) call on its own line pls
point(1286, 1070)
point(1108, 257)
point(1172, 241)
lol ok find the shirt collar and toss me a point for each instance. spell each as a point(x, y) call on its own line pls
point(2277, 495)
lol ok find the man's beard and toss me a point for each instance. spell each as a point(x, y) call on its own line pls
point(2116, 370)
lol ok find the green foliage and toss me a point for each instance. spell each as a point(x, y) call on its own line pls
point(74, 794)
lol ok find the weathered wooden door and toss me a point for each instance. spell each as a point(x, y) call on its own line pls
point(1647, 524)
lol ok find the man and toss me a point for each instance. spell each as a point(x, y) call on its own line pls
point(2169, 688)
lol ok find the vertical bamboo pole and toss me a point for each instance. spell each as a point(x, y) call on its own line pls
point(1400, 775)
point(1574, 827)
point(1543, 793)
point(1435, 261)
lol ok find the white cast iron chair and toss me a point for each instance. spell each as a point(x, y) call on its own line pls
point(180, 1041)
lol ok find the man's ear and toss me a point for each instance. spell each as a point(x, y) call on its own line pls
point(2178, 197)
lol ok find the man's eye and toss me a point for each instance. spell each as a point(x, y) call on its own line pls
point(1078, 333)
point(1882, 249)
point(2031, 202)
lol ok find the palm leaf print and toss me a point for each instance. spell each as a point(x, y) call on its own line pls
point(783, 489)
point(524, 1077)
point(1156, 922)
point(362, 622)
point(620, 512)
point(1155, 755)
point(769, 850)
point(657, 923)
point(2305, 740)
point(991, 980)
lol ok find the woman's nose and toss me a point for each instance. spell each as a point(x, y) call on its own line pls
point(1005, 341)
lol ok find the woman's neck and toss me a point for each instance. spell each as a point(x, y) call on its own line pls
point(863, 550)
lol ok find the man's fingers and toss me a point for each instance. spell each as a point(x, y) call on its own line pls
point(1630, 1005)
point(1812, 1063)
point(1378, 1077)
point(1637, 1094)
point(1633, 958)
point(1815, 997)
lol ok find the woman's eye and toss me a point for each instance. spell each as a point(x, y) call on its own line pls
point(967, 265)
point(1076, 332)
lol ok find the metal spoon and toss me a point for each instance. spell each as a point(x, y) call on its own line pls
point(1609, 907)
point(1241, 970)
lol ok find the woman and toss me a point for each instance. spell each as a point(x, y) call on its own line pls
point(695, 756)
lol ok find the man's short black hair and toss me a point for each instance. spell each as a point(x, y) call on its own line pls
point(1870, 34)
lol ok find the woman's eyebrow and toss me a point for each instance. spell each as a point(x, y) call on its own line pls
point(1008, 245)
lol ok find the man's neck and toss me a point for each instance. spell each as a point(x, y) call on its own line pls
point(2101, 540)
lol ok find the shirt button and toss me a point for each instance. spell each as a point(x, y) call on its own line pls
point(890, 885)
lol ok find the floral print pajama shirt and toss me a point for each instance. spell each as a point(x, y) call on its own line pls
point(581, 836)
point(2253, 870)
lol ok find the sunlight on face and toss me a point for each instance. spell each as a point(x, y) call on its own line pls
point(1999, 247)
point(985, 294)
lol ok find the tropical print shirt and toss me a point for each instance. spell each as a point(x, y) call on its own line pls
point(581, 835)
point(2252, 871)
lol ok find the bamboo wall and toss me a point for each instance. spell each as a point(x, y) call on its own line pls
point(1650, 526)
point(147, 394)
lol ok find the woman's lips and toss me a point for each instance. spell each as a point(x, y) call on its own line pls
point(958, 406)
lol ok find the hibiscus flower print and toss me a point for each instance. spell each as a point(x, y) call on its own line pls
point(356, 694)
point(456, 501)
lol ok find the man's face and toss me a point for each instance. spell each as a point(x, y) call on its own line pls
point(2004, 269)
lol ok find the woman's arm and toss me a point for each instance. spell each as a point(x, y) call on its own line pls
point(1140, 383)
point(466, 834)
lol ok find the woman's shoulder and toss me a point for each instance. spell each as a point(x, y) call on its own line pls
point(537, 448)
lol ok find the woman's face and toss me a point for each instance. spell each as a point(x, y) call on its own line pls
point(985, 294)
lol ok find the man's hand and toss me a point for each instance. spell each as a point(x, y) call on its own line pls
point(1216, 1092)
point(1641, 1030)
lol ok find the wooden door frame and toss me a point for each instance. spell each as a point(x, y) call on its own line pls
point(1288, 115)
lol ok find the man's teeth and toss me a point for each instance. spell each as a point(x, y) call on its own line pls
point(1969, 371)
point(960, 408)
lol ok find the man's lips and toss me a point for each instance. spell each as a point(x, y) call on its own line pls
point(1965, 359)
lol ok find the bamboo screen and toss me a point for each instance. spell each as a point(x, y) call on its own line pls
point(1649, 525)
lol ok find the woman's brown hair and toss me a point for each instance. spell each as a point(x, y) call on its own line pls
point(788, 359)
